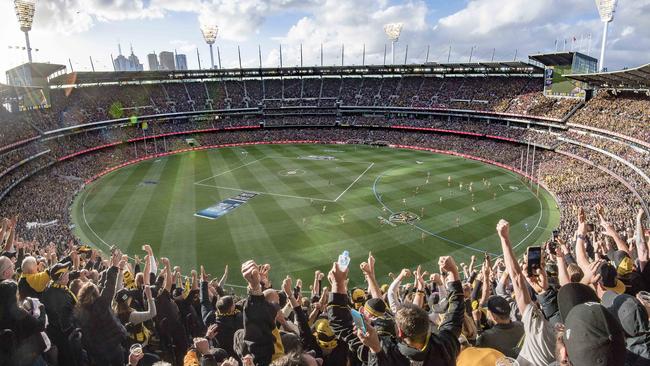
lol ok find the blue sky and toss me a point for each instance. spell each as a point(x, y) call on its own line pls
point(77, 29)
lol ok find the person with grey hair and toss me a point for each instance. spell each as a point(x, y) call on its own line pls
point(32, 283)
point(7, 268)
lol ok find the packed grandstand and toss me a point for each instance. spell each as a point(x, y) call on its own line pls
point(592, 155)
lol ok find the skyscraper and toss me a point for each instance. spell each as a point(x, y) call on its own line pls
point(167, 61)
point(152, 58)
point(122, 63)
point(181, 62)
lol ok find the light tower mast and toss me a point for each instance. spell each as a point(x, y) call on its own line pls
point(210, 32)
point(25, 13)
point(606, 10)
point(393, 31)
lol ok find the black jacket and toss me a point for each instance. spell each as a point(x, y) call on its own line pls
point(228, 323)
point(59, 304)
point(340, 318)
point(259, 323)
point(102, 332)
point(442, 348)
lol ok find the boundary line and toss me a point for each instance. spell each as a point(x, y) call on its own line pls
point(356, 180)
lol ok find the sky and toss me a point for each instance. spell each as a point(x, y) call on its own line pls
point(76, 30)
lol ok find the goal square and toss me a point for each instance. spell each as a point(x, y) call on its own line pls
point(310, 178)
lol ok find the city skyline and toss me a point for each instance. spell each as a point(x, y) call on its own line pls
point(469, 27)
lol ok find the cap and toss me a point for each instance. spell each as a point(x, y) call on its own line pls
point(629, 311)
point(609, 279)
point(375, 307)
point(358, 297)
point(384, 288)
point(622, 262)
point(324, 334)
point(573, 294)
point(593, 336)
point(122, 295)
point(498, 305)
point(59, 269)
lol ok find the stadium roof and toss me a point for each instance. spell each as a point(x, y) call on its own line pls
point(444, 69)
point(636, 78)
point(39, 69)
point(557, 58)
point(10, 91)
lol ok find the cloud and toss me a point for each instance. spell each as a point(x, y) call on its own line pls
point(183, 46)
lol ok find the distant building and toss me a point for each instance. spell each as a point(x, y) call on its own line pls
point(122, 63)
point(167, 61)
point(181, 62)
point(152, 58)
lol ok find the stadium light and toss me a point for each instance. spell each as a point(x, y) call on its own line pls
point(393, 31)
point(606, 10)
point(210, 32)
point(25, 13)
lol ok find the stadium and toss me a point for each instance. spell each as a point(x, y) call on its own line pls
point(126, 193)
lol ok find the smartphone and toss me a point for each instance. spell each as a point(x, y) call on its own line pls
point(533, 259)
point(358, 320)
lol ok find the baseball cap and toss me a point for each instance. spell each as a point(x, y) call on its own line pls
point(593, 336)
point(498, 305)
point(122, 295)
point(609, 279)
point(629, 311)
point(622, 262)
point(573, 294)
point(358, 297)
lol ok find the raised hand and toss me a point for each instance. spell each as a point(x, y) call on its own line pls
point(287, 287)
point(204, 276)
point(212, 331)
point(147, 248)
point(448, 265)
point(592, 275)
point(503, 229)
point(338, 279)
point(406, 273)
point(419, 279)
point(264, 275)
point(251, 273)
point(370, 338)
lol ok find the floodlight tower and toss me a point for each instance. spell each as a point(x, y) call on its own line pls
point(25, 13)
point(393, 31)
point(210, 35)
point(606, 10)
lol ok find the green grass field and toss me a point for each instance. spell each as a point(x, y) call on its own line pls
point(308, 211)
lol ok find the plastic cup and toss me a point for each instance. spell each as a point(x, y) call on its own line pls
point(136, 348)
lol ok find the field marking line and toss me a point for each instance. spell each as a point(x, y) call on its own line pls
point(266, 193)
point(356, 180)
point(83, 213)
point(228, 171)
point(503, 189)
